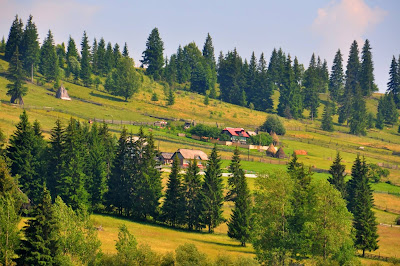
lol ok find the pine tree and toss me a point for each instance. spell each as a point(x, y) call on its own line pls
point(55, 157)
point(360, 202)
point(61, 54)
point(16, 75)
point(108, 59)
point(48, 59)
point(327, 122)
point(311, 84)
point(380, 119)
point(336, 80)
point(173, 208)
point(393, 86)
point(262, 98)
point(193, 195)
point(30, 47)
point(125, 52)
point(367, 71)
point(153, 55)
point(14, 38)
point(358, 121)
point(213, 198)
point(86, 70)
point(116, 54)
point(338, 175)
point(171, 97)
point(40, 246)
point(387, 109)
point(209, 58)
point(94, 57)
point(2, 45)
point(72, 56)
point(101, 53)
point(239, 222)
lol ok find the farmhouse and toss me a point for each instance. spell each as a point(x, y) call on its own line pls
point(236, 134)
point(166, 158)
point(186, 155)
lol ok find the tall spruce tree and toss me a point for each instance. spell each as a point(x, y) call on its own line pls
point(239, 222)
point(94, 57)
point(72, 57)
point(358, 123)
point(193, 195)
point(327, 122)
point(360, 202)
point(311, 87)
point(336, 80)
point(16, 89)
point(209, 58)
point(116, 54)
point(30, 47)
point(262, 98)
point(14, 38)
point(40, 246)
point(55, 157)
point(367, 71)
point(108, 59)
point(100, 55)
point(387, 109)
point(338, 175)
point(49, 59)
point(153, 55)
point(86, 70)
point(2, 45)
point(125, 51)
point(393, 86)
point(213, 198)
point(173, 209)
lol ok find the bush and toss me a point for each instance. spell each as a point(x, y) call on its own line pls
point(273, 123)
point(398, 220)
point(189, 255)
point(375, 172)
point(263, 139)
point(205, 131)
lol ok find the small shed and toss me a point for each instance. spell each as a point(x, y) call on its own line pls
point(271, 151)
point(62, 94)
point(280, 154)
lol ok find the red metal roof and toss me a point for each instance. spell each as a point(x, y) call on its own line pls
point(237, 132)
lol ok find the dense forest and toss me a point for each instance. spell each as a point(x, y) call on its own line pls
point(249, 83)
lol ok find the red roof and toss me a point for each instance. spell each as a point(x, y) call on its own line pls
point(237, 132)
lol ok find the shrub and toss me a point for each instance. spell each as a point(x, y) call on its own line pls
point(263, 139)
point(205, 131)
point(154, 97)
point(188, 255)
point(398, 220)
point(375, 172)
point(273, 123)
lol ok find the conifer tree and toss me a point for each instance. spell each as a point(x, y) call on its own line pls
point(109, 144)
point(171, 97)
point(49, 59)
point(358, 117)
point(108, 59)
point(125, 52)
point(116, 54)
point(86, 70)
point(55, 157)
point(72, 56)
point(338, 175)
point(387, 109)
point(61, 54)
point(40, 246)
point(336, 80)
point(30, 47)
point(367, 71)
point(209, 58)
point(101, 60)
point(173, 208)
point(14, 38)
point(393, 86)
point(327, 122)
point(16, 89)
point(311, 84)
point(193, 195)
point(213, 198)
point(182, 67)
point(94, 57)
point(239, 222)
point(2, 45)
point(380, 119)
point(262, 99)
point(9, 220)
point(153, 55)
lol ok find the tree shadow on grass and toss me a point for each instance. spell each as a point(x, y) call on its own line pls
point(222, 244)
point(107, 97)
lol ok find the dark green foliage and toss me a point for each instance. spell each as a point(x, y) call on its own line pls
point(124, 80)
point(327, 122)
point(336, 80)
point(263, 139)
point(358, 117)
point(206, 100)
point(273, 124)
point(370, 120)
point(14, 38)
point(100, 57)
point(360, 203)
point(393, 86)
point(338, 175)
point(387, 109)
point(311, 87)
point(173, 209)
point(380, 120)
point(153, 55)
point(9, 220)
point(60, 50)
point(210, 66)
point(170, 71)
point(73, 64)
point(30, 47)
point(25, 159)
point(86, 70)
point(16, 75)
point(116, 54)
point(154, 97)
point(40, 246)
point(262, 96)
point(125, 52)
point(171, 97)
point(109, 62)
point(198, 78)
point(375, 172)
point(182, 66)
point(213, 198)
point(367, 71)
point(55, 157)
point(2, 45)
point(239, 222)
point(202, 130)
point(194, 196)
point(48, 59)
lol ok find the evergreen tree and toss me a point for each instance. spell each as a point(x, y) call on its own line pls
point(360, 203)
point(380, 119)
point(10, 234)
point(30, 47)
point(109, 144)
point(239, 222)
point(101, 60)
point(40, 246)
point(170, 71)
point(61, 54)
point(387, 109)
point(327, 122)
point(16, 89)
point(336, 80)
point(153, 55)
point(198, 79)
point(262, 99)
point(311, 84)
point(116, 54)
point(209, 58)
point(182, 67)
point(86, 70)
point(193, 195)
point(173, 208)
point(125, 52)
point(358, 121)
point(94, 57)
point(213, 198)
point(393, 86)
point(48, 59)
point(367, 71)
point(298, 70)
point(108, 59)
point(171, 97)
point(14, 38)
point(338, 175)
point(2, 45)
point(73, 65)
point(23, 160)
point(55, 157)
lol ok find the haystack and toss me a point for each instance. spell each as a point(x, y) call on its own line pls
point(271, 151)
point(275, 139)
point(280, 154)
point(62, 94)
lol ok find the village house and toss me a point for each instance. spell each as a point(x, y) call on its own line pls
point(236, 134)
point(166, 158)
point(186, 155)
